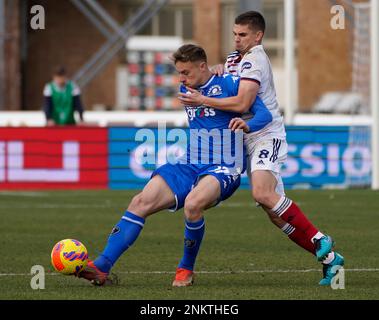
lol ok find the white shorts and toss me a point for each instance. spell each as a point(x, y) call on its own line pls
point(268, 154)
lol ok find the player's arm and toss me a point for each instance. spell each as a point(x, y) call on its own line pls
point(48, 106)
point(77, 102)
point(262, 117)
point(247, 92)
point(78, 106)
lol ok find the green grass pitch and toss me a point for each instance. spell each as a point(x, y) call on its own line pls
point(243, 256)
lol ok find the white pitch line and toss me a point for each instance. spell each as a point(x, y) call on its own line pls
point(92, 206)
point(55, 206)
point(211, 272)
point(24, 193)
point(245, 271)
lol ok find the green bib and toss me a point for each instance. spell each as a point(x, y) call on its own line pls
point(63, 108)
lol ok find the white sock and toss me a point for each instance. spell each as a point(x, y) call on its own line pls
point(317, 236)
point(329, 258)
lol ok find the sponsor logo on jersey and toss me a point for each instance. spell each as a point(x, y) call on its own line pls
point(260, 162)
point(214, 90)
point(245, 66)
point(200, 112)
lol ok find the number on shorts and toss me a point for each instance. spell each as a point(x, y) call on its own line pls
point(263, 154)
point(221, 169)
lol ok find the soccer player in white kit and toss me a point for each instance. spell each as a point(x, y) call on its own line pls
point(267, 148)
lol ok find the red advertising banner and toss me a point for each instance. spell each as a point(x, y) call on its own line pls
point(56, 157)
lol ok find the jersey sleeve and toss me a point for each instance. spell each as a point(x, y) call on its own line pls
point(48, 107)
point(251, 69)
point(232, 83)
point(262, 116)
point(47, 91)
point(75, 89)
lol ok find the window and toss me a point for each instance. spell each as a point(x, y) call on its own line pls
point(170, 21)
point(187, 23)
point(274, 35)
point(166, 22)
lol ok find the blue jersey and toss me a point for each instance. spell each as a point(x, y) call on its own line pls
point(207, 117)
point(210, 139)
point(213, 149)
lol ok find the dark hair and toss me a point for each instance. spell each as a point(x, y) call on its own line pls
point(254, 19)
point(189, 52)
point(60, 71)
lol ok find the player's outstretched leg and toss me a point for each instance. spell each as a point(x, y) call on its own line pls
point(295, 235)
point(298, 228)
point(329, 264)
point(154, 197)
point(291, 213)
point(203, 196)
point(264, 184)
point(332, 259)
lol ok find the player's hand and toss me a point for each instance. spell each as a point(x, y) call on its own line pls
point(192, 97)
point(238, 123)
point(50, 123)
point(217, 69)
point(81, 123)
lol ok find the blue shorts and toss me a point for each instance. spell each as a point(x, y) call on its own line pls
point(182, 178)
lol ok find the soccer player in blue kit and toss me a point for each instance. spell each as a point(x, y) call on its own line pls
point(192, 184)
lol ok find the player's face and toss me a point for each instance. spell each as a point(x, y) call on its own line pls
point(190, 73)
point(60, 80)
point(244, 37)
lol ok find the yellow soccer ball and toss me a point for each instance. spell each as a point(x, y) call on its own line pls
point(69, 256)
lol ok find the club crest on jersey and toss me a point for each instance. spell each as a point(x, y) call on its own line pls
point(245, 66)
point(214, 90)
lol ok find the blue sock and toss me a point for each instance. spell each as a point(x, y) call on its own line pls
point(193, 234)
point(121, 238)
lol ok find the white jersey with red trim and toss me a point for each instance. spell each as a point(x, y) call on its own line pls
point(255, 66)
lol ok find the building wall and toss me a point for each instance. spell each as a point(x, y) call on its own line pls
point(207, 26)
point(69, 39)
point(12, 72)
point(324, 54)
